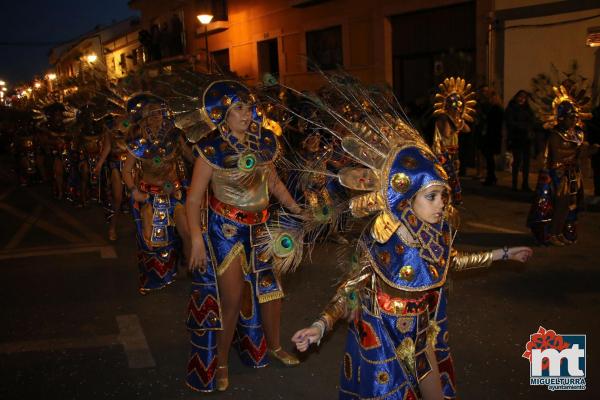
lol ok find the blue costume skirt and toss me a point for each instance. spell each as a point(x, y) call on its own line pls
point(385, 353)
point(555, 185)
point(158, 243)
point(225, 241)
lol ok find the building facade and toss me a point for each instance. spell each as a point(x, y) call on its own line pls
point(532, 36)
point(410, 45)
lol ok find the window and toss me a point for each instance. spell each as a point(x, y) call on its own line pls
point(324, 48)
point(221, 59)
point(268, 58)
point(218, 8)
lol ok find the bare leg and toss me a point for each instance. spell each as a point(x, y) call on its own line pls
point(271, 318)
point(230, 292)
point(431, 386)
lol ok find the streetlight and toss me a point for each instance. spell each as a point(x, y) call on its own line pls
point(2, 83)
point(51, 77)
point(205, 19)
point(91, 58)
point(37, 85)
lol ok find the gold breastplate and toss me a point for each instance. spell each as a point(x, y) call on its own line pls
point(157, 173)
point(248, 191)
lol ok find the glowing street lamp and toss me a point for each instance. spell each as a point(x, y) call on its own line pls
point(51, 77)
point(91, 58)
point(2, 83)
point(37, 85)
point(205, 19)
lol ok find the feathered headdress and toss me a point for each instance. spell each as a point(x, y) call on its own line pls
point(456, 100)
point(396, 161)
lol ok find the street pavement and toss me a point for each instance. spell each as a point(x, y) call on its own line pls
point(75, 327)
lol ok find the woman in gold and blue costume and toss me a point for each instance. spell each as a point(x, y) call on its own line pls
point(235, 290)
point(394, 297)
point(559, 192)
point(154, 175)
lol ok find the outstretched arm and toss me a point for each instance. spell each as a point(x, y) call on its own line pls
point(461, 261)
point(337, 308)
point(278, 189)
point(194, 207)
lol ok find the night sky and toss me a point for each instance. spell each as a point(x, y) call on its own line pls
point(42, 21)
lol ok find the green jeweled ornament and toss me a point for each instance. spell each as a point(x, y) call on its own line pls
point(125, 123)
point(168, 187)
point(247, 162)
point(283, 246)
point(157, 161)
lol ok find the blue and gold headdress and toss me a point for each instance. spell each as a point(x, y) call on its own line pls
point(143, 142)
point(220, 96)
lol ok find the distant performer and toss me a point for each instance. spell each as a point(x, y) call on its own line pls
point(559, 193)
point(454, 109)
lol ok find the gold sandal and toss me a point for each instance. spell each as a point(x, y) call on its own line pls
point(223, 383)
point(285, 358)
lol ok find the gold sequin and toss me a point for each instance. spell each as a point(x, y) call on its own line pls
point(216, 114)
point(266, 282)
point(383, 377)
point(404, 324)
point(409, 162)
point(400, 182)
point(385, 258)
point(226, 101)
point(399, 249)
point(347, 366)
point(407, 273)
point(412, 220)
point(209, 151)
point(229, 230)
point(434, 273)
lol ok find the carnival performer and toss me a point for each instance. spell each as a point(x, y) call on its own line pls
point(394, 295)
point(90, 149)
point(60, 144)
point(235, 290)
point(559, 192)
point(28, 151)
point(153, 174)
point(114, 148)
point(454, 110)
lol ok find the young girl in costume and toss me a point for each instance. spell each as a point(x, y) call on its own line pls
point(394, 297)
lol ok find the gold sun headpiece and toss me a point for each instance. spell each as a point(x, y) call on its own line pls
point(565, 94)
point(456, 100)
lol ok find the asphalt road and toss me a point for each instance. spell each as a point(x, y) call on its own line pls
point(74, 326)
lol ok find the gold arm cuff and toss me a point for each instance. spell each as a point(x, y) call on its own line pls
point(335, 310)
point(463, 261)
